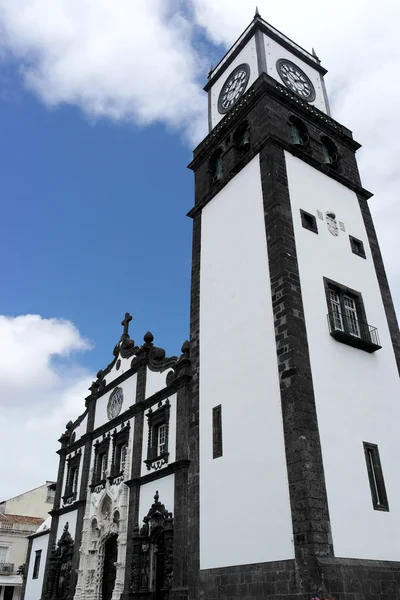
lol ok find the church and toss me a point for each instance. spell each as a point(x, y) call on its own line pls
point(263, 461)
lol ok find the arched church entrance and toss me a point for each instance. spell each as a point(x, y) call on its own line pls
point(109, 568)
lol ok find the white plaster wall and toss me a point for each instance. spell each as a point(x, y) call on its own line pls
point(125, 366)
point(155, 381)
point(275, 51)
point(171, 434)
point(247, 55)
point(69, 518)
point(34, 587)
point(220, 65)
point(244, 498)
point(165, 488)
point(357, 394)
point(129, 388)
point(81, 429)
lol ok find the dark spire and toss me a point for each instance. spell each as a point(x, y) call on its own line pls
point(257, 13)
point(315, 55)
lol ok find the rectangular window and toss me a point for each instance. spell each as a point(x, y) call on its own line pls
point(347, 319)
point(308, 221)
point(3, 554)
point(375, 476)
point(217, 431)
point(338, 303)
point(36, 566)
point(357, 246)
point(102, 466)
point(161, 439)
point(51, 492)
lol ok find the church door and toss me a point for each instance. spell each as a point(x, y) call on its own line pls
point(159, 564)
point(109, 569)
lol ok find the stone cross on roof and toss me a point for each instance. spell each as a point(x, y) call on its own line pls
point(125, 325)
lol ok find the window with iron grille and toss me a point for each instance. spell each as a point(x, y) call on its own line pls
point(347, 319)
point(36, 566)
point(375, 476)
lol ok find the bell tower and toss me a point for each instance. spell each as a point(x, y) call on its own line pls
point(293, 484)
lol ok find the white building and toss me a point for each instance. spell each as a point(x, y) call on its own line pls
point(20, 517)
point(270, 445)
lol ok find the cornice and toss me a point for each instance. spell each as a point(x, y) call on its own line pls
point(168, 470)
point(66, 509)
point(296, 151)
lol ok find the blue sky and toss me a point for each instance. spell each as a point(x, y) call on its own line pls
point(93, 224)
point(101, 105)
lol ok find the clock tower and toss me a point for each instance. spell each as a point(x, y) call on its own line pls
point(293, 485)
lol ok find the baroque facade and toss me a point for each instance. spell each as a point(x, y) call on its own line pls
point(259, 463)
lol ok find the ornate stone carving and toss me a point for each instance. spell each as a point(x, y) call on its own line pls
point(58, 581)
point(155, 538)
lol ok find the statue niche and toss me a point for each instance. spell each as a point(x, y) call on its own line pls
point(152, 561)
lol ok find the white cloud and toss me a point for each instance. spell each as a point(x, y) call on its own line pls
point(41, 389)
point(123, 60)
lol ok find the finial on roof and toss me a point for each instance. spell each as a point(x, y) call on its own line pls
point(257, 12)
point(210, 71)
point(315, 54)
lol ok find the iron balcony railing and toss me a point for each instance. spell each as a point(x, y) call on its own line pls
point(6, 568)
point(349, 330)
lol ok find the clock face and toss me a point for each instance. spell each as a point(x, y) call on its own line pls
point(233, 88)
point(294, 78)
point(115, 403)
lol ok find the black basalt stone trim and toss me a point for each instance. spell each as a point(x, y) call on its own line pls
point(153, 476)
point(338, 578)
point(266, 85)
point(307, 489)
point(27, 561)
point(134, 493)
point(179, 586)
point(382, 279)
point(40, 534)
point(296, 151)
point(261, 54)
point(81, 503)
point(55, 515)
point(193, 514)
point(66, 509)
